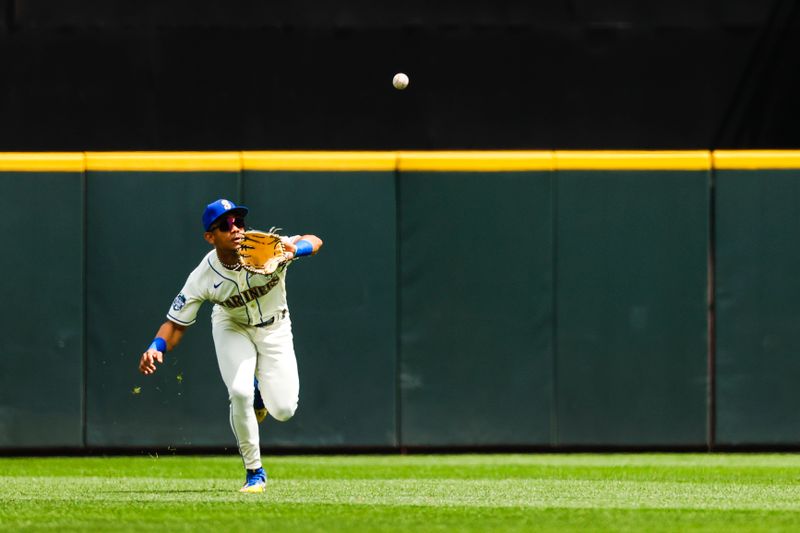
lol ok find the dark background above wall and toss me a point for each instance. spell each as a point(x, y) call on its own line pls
point(201, 75)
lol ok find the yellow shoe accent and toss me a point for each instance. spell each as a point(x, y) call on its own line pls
point(252, 489)
point(261, 414)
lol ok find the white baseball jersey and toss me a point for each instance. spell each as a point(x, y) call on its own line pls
point(248, 299)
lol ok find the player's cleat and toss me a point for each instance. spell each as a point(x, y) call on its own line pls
point(256, 481)
point(258, 403)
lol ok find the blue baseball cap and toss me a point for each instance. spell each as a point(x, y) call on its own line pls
point(214, 210)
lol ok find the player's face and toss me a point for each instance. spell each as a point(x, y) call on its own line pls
point(226, 233)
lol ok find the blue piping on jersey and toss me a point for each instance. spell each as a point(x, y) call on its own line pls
point(258, 304)
point(235, 435)
point(232, 281)
point(179, 321)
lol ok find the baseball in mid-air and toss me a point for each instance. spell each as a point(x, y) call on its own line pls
point(400, 81)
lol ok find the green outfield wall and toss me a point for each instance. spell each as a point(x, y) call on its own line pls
point(757, 298)
point(552, 300)
point(43, 346)
point(631, 302)
point(476, 300)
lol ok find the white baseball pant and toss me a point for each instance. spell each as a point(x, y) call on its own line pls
point(268, 353)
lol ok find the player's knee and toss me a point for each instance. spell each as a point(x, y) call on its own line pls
point(283, 412)
point(241, 395)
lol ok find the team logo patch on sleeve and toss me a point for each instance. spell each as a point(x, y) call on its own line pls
point(179, 302)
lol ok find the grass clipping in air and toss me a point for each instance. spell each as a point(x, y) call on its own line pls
point(570, 492)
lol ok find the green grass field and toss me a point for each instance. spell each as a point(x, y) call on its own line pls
point(536, 492)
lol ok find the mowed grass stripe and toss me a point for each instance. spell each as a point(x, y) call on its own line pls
point(751, 468)
point(536, 492)
point(542, 493)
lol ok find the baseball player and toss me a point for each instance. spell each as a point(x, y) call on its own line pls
point(251, 327)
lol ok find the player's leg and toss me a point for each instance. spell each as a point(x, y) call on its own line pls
point(258, 402)
point(277, 369)
point(236, 356)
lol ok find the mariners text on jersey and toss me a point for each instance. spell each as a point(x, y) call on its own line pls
point(239, 300)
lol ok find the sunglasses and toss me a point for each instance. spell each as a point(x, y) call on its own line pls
point(227, 223)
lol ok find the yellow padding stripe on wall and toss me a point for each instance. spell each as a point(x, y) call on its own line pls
point(320, 161)
point(164, 161)
point(475, 161)
point(406, 161)
point(756, 159)
point(42, 162)
point(633, 160)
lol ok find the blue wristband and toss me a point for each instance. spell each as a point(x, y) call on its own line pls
point(158, 344)
point(303, 248)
